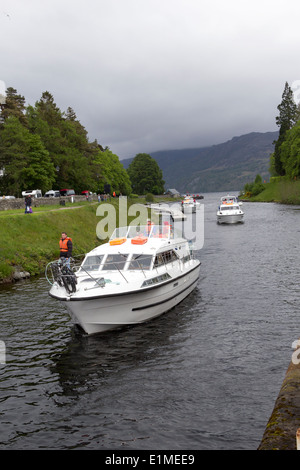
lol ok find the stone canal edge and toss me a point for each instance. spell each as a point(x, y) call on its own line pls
point(282, 427)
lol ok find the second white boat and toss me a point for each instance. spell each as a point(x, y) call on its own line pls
point(188, 205)
point(229, 211)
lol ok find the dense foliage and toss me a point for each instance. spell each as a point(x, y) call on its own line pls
point(254, 188)
point(285, 160)
point(42, 147)
point(145, 175)
point(286, 157)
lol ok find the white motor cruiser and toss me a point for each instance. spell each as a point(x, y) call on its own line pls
point(188, 205)
point(142, 272)
point(229, 211)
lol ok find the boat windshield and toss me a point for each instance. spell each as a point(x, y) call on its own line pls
point(228, 199)
point(140, 262)
point(92, 263)
point(149, 231)
point(120, 232)
point(115, 262)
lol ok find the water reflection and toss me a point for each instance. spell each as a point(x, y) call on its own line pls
point(218, 357)
point(88, 361)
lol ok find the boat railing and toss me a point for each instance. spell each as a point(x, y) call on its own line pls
point(62, 271)
point(148, 231)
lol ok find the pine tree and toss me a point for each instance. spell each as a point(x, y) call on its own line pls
point(14, 106)
point(288, 115)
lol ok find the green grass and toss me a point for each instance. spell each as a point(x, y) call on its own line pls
point(285, 192)
point(30, 241)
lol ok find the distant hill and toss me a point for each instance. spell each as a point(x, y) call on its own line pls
point(223, 167)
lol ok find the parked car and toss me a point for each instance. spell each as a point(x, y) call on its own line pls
point(8, 197)
point(32, 193)
point(67, 192)
point(52, 193)
point(86, 193)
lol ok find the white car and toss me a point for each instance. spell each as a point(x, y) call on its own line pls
point(52, 193)
point(32, 193)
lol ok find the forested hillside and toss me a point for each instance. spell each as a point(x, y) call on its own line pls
point(42, 147)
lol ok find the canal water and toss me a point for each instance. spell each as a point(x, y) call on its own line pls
point(203, 376)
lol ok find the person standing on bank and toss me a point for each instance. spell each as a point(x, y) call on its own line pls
point(65, 246)
point(27, 205)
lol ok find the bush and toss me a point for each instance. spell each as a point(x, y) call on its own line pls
point(5, 270)
point(149, 197)
point(255, 188)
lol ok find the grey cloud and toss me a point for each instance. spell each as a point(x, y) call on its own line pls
point(152, 75)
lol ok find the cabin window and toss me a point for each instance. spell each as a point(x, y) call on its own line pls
point(92, 263)
point(156, 280)
point(140, 262)
point(164, 258)
point(115, 262)
point(230, 208)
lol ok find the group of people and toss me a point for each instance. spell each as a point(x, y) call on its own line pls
point(103, 197)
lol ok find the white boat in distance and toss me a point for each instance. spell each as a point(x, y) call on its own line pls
point(188, 205)
point(229, 211)
point(142, 272)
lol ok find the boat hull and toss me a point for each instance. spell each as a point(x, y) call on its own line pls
point(188, 209)
point(230, 219)
point(104, 313)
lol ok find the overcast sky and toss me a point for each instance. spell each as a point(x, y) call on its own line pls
point(147, 75)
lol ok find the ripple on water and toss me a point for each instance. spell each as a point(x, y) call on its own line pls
point(203, 376)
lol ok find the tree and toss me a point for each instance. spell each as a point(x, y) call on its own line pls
point(41, 146)
point(288, 115)
point(290, 152)
point(109, 170)
point(145, 175)
point(39, 172)
point(14, 106)
point(66, 141)
point(26, 162)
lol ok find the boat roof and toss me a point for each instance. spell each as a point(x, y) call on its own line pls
point(225, 198)
point(140, 239)
point(229, 200)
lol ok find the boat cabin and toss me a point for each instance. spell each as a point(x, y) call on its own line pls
point(134, 248)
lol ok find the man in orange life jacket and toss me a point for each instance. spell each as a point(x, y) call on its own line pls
point(65, 246)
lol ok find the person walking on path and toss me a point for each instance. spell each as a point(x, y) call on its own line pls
point(65, 247)
point(28, 205)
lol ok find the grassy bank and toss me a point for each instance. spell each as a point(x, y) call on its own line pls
point(284, 192)
point(30, 241)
